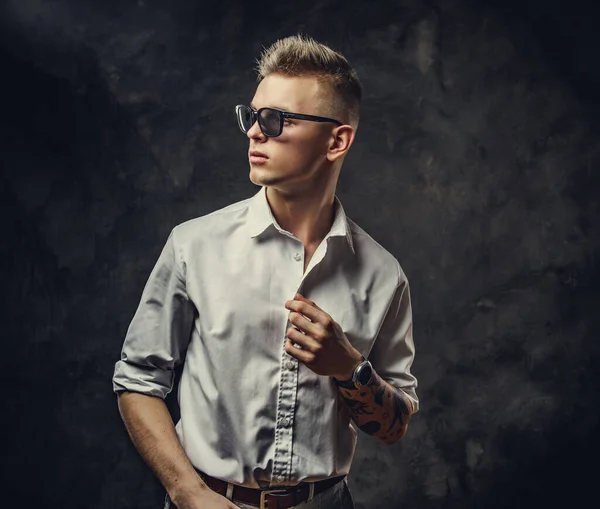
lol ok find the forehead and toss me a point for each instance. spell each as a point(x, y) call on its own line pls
point(299, 94)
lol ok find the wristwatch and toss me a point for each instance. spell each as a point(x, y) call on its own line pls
point(362, 376)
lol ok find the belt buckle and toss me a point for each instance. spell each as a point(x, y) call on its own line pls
point(263, 495)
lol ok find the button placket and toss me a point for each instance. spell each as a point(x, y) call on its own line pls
point(286, 401)
point(288, 386)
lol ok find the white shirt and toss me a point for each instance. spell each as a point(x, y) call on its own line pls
point(251, 414)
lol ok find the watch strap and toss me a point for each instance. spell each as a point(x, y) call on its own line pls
point(346, 384)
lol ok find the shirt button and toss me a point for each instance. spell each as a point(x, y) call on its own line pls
point(285, 421)
point(297, 257)
point(290, 365)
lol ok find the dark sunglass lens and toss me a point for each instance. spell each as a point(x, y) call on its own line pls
point(270, 121)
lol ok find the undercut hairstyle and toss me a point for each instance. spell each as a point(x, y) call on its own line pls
point(299, 55)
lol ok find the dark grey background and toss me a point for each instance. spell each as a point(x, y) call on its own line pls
point(476, 165)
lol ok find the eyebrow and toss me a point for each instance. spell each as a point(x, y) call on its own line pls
point(278, 107)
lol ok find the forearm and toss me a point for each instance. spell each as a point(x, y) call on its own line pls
point(379, 409)
point(152, 432)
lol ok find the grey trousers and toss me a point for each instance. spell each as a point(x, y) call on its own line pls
point(335, 497)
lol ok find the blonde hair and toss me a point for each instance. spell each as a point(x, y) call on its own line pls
point(299, 55)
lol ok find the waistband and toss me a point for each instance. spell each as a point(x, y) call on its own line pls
point(279, 497)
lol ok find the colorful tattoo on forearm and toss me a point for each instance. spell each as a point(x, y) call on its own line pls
point(379, 409)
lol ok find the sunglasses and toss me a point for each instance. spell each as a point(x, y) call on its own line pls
point(270, 120)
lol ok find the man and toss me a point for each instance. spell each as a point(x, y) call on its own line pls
point(293, 324)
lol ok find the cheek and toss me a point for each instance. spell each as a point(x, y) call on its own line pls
point(298, 151)
point(301, 153)
point(305, 150)
point(291, 154)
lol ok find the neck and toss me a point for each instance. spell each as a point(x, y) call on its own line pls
point(307, 216)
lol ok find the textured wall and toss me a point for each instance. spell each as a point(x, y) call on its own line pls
point(475, 164)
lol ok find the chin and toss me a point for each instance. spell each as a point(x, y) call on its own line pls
point(262, 177)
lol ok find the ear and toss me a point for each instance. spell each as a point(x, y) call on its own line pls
point(340, 142)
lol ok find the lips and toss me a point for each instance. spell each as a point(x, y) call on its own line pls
point(256, 153)
point(257, 158)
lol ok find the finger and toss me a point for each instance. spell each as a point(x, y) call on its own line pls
point(302, 355)
point(308, 310)
point(303, 324)
point(301, 297)
point(307, 342)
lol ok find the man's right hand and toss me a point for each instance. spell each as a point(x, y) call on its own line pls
point(208, 500)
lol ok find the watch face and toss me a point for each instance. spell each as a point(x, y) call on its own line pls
point(365, 374)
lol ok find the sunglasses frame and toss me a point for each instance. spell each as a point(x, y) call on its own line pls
point(282, 115)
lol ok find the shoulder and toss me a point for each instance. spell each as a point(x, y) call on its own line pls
point(211, 225)
point(374, 254)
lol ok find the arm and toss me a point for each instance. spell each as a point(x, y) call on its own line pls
point(151, 429)
point(152, 432)
point(379, 409)
point(156, 342)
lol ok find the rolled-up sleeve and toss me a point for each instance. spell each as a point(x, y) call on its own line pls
point(393, 351)
point(159, 333)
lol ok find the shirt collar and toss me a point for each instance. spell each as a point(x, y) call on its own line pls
point(260, 217)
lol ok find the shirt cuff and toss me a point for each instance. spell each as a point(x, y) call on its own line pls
point(143, 379)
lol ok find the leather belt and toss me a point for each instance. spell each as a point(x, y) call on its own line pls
point(277, 498)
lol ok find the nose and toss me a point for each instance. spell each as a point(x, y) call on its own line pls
point(254, 133)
